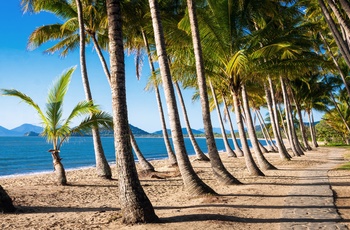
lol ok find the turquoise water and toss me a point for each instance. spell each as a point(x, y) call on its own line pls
point(24, 155)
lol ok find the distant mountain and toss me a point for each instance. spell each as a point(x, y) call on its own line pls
point(215, 130)
point(6, 132)
point(184, 132)
point(21, 130)
point(26, 128)
point(135, 130)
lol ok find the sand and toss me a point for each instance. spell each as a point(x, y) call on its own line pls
point(92, 203)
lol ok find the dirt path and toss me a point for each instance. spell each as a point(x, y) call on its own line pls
point(310, 203)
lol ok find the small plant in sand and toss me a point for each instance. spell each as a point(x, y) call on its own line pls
point(56, 129)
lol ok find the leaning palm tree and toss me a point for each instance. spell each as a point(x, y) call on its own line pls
point(56, 129)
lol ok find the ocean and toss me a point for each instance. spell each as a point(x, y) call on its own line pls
point(27, 155)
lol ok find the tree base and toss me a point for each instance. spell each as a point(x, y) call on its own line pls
point(6, 205)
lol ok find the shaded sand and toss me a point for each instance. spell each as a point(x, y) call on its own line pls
point(91, 203)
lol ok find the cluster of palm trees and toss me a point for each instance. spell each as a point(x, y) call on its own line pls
point(242, 55)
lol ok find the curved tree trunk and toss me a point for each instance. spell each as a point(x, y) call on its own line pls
point(313, 139)
point(263, 163)
point(146, 165)
point(228, 149)
point(171, 154)
point(345, 6)
point(301, 123)
point(340, 19)
point(192, 183)
point(343, 47)
point(218, 167)
point(6, 205)
point(249, 161)
point(313, 128)
point(274, 107)
point(281, 148)
point(290, 124)
point(102, 167)
point(342, 75)
point(135, 205)
point(199, 154)
point(238, 149)
point(266, 132)
point(58, 166)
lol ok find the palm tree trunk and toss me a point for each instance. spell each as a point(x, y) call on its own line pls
point(249, 161)
point(343, 47)
point(135, 205)
point(218, 167)
point(145, 164)
point(101, 57)
point(339, 112)
point(6, 205)
point(301, 123)
point(58, 166)
point(263, 163)
point(274, 106)
point(345, 6)
point(342, 75)
point(289, 120)
point(281, 148)
point(313, 139)
point(266, 132)
point(313, 128)
point(199, 153)
point(238, 150)
point(340, 19)
point(228, 149)
point(192, 183)
point(102, 167)
point(171, 154)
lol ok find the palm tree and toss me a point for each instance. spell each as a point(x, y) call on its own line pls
point(56, 129)
point(67, 32)
point(136, 39)
point(192, 182)
point(199, 153)
point(262, 161)
point(228, 148)
point(135, 204)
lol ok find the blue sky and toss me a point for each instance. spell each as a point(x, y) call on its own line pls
point(33, 72)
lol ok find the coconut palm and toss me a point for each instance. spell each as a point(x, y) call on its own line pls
point(191, 180)
point(199, 153)
point(56, 129)
point(72, 33)
point(135, 205)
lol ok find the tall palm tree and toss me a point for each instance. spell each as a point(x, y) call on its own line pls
point(136, 39)
point(191, 180)
point(228, 148)
point(135, 204)
point(199, 153)
point(262, 161)
point(56, 129)
point(71, 33)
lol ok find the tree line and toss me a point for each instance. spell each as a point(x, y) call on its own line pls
point(287, 56)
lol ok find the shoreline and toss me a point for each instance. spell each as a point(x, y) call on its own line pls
point(89, 202)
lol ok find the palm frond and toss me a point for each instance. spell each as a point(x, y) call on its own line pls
point(25, 98)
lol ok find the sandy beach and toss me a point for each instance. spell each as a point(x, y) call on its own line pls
point(92, 203)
